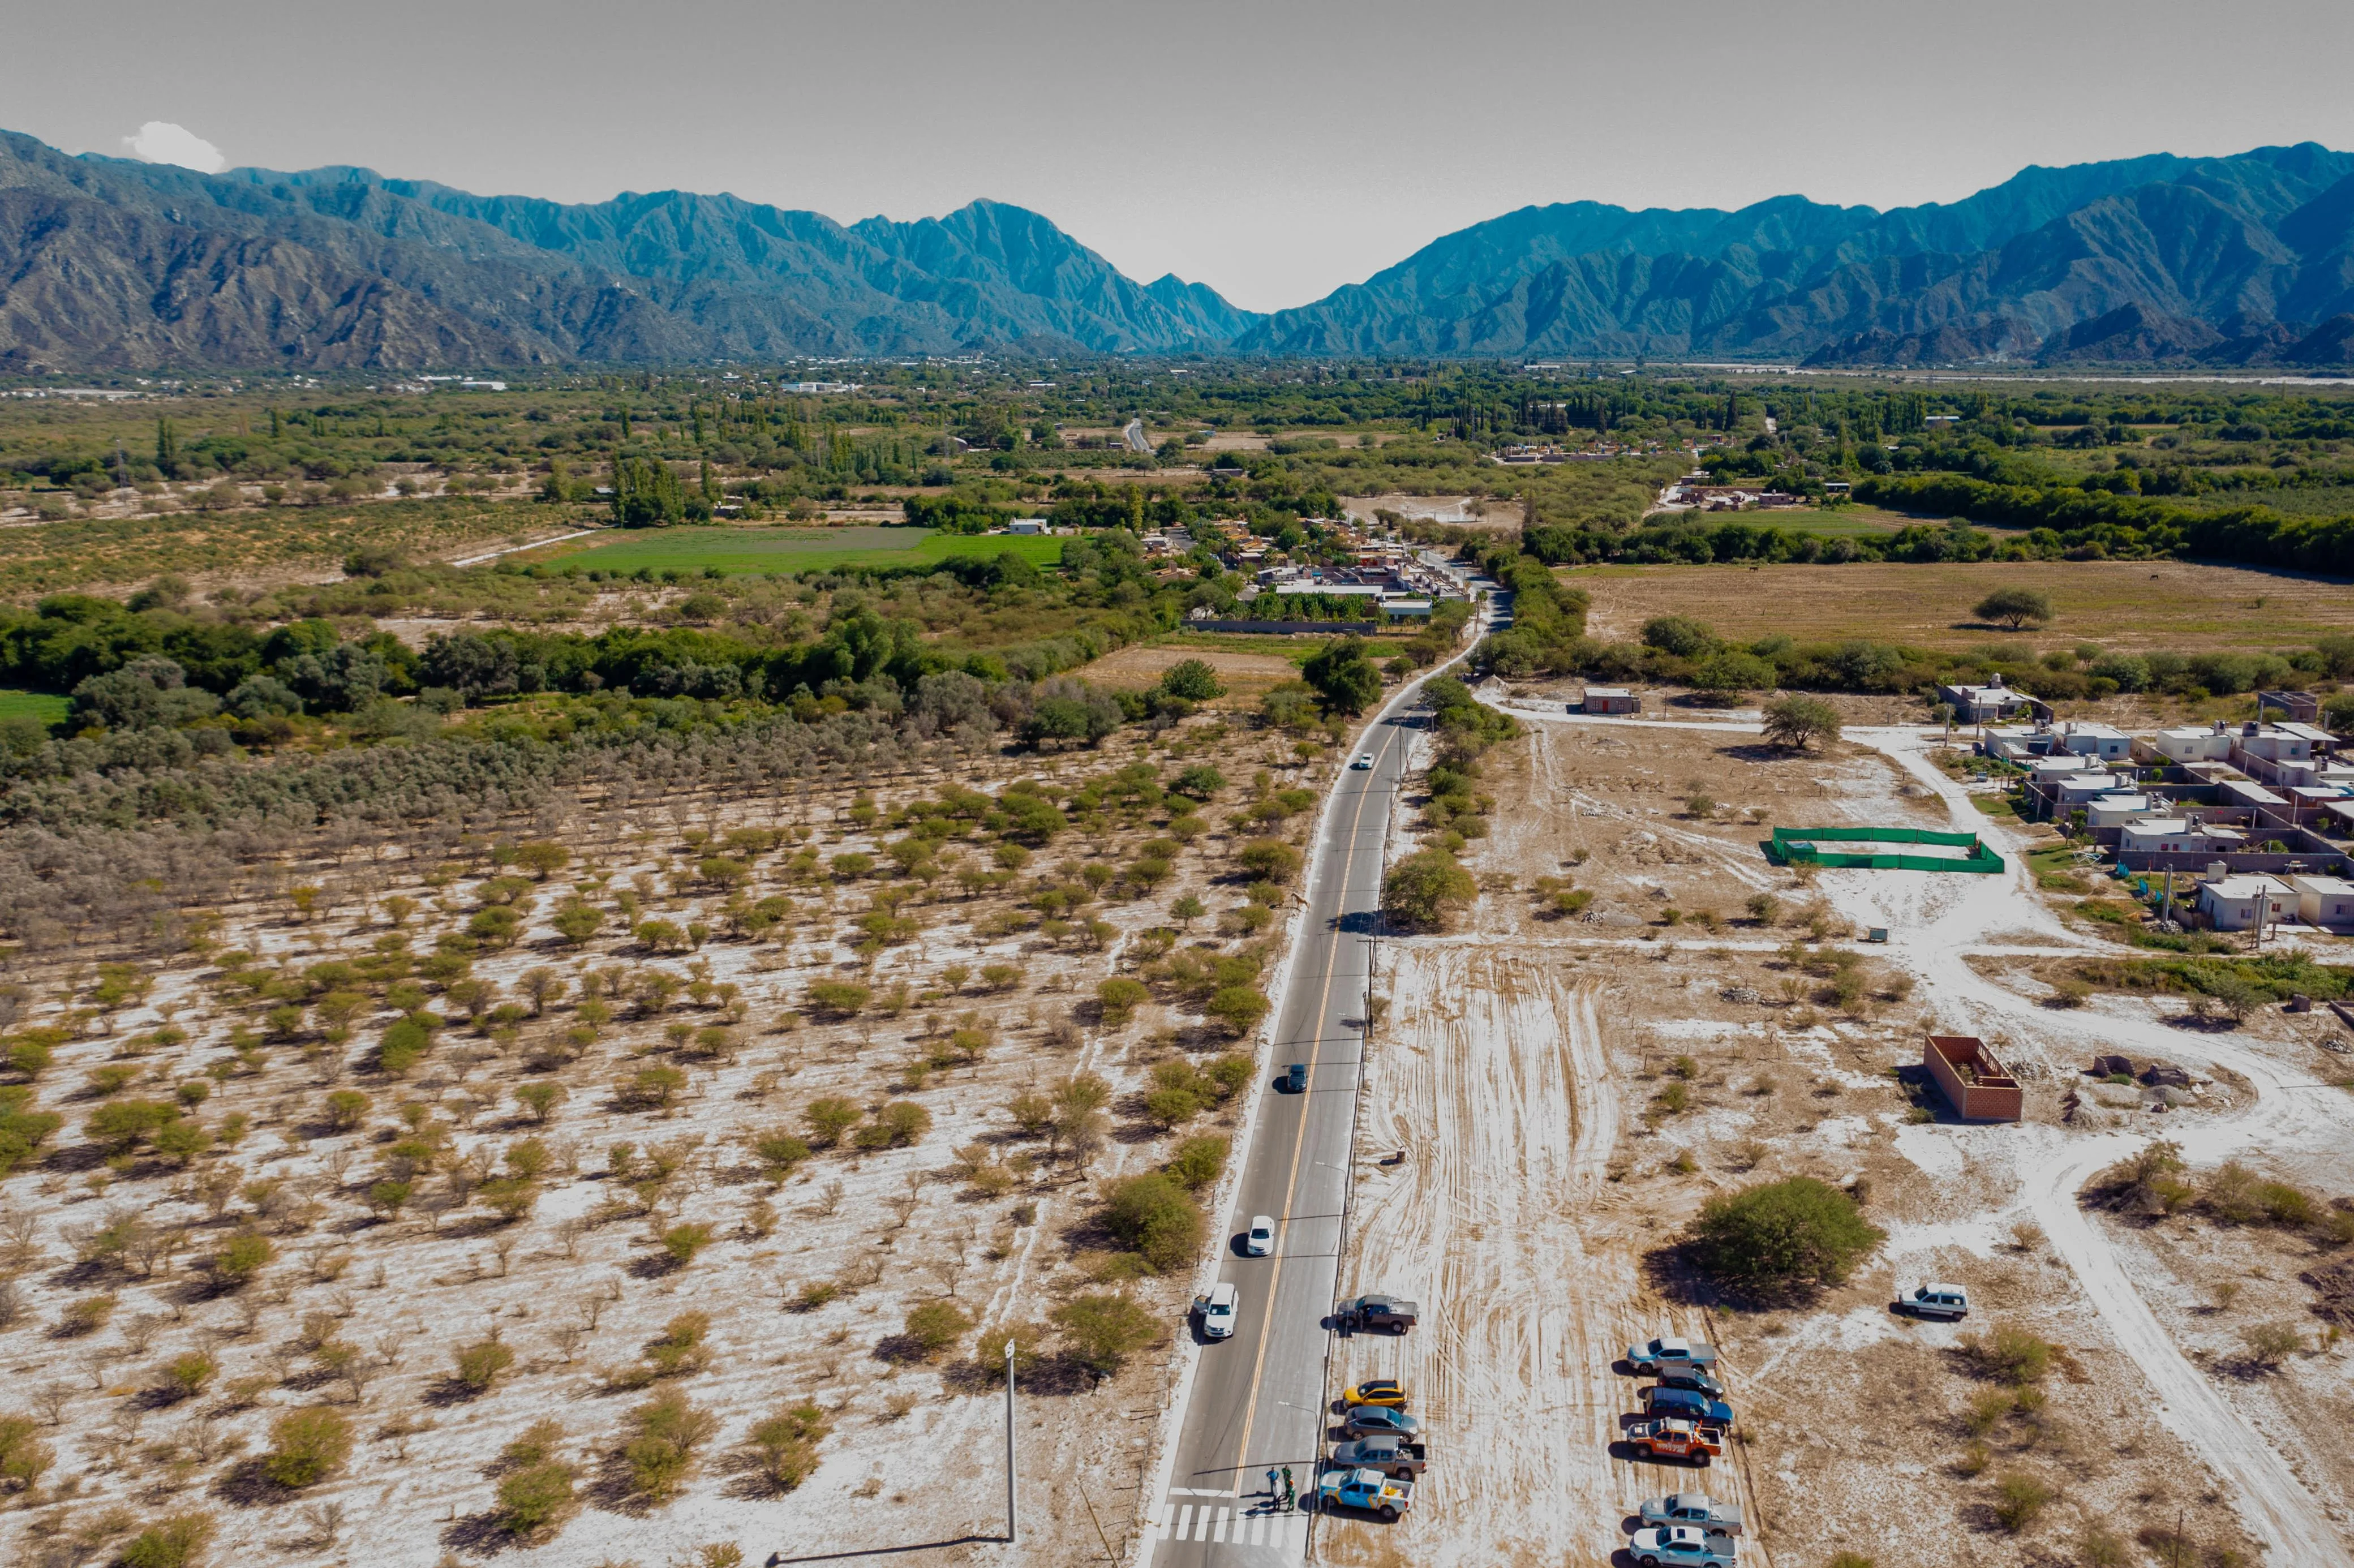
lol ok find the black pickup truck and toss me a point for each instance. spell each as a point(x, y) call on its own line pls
point(1389, 1312)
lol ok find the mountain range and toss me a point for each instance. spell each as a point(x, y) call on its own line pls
point(111, 264)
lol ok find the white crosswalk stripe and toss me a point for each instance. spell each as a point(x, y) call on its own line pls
point(1250, 1527)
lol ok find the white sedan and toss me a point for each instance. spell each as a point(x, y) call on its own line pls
point(1218, 1310)
point(1259, 1240)
point(1364, 762)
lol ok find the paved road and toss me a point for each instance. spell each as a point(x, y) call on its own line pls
point(1258, 1398)
point(1135, 437)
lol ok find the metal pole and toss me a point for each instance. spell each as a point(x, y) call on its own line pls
point(1012, 1525)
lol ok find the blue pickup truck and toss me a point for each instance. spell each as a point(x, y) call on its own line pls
point(1685, 1404)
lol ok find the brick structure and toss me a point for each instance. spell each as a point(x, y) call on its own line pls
point(1972, 1081)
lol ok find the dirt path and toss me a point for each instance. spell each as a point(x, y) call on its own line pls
point(1937, 923)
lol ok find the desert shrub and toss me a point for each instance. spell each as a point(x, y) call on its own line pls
point(937, 1325)
point(2018, 1498)
point(237, 1260)
point(307, 1446)
point(684, 1240)
point(534, 1444)
point(344, 1109)
point(898, 1123)
point(1422, 892)
point(786, 1444)
point(539, 1099)
point(1197, 1162)
point(1780, 1236)
point(2269, 1344)
point(23, 1458)
point(1027, 1339)
point(838, 998)
point(1101, 1332)
point(829, 1118)
point(1269, 860)
point(1119, 998)
point(187, 1375)
point(478, 1365)
point(178, 1542)
point(1236, 1008)
point(669, 1428)
point(779, 1152)
point(2009, 1356)
point(533, 1498)
point(1154, 1216)
point(2150, 1184)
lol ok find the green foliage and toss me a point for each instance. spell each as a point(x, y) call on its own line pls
point(479, 1365)
point(1101, 1332)
point(1342, 674)
point(1154, 1216)
point(1197, 1162)
point(936, 1326)
point(176, 1541)
point(669, 1430)
point(1422, 892)
point(647, 494)
point(236, 1261)
point(1797, 723)
point(533, 1496)
point(307, 1446)
point(828, 1118)
point(2014, 606)
point(896, 1125)
point(1783, 1237)
point(787, 1444)
point(1193, 681)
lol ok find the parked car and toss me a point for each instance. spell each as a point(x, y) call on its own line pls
point(1676, 1545)
point(1393, 1456)
point(1363, 763)
point(1696, 1509)
point(1293, 1079)
point(1684, 1403)
point(1946, 1301)
point(1394, 1313)
point(1259, 1240)
point(1665, 1351)
point(1216, 1310)
point(1671, 1439)
point(1378, 1420)
point(1692, 1378)
point(1377, 1391)
point(1368, 1489)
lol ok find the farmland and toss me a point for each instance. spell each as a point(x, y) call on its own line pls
point(749, 549)
point(2131, 606)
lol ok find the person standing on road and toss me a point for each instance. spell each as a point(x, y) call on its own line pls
point(1274, 1487)
point(1290, 1497)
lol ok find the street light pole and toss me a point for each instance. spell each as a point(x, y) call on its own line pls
point(1012, 1525)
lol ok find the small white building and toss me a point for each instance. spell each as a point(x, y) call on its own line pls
point(1027, 526)
point(2117, 811)
point(2324, 900)
point(2109, 744)
point(2191, 744)
point(2280, 742)
point(2179, 835)
point(2241, 902)
point(1984, 704)
point(2081, 788)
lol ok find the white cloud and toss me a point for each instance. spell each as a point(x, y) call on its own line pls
point(161, 141)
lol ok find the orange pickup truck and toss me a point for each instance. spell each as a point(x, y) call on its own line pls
point(1670, 1438)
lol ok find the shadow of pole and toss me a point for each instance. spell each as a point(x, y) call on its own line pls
point(778, 1559)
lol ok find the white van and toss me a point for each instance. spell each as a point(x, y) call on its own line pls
point(1946, 1301)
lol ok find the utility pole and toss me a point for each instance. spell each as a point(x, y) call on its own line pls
point(1013, 1524)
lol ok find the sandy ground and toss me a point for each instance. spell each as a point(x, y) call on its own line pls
point(1520, 1076)
point(579, 1287)
point(1248, 676)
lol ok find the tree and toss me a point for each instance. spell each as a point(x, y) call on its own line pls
point(1101, 1332)
point(1796, 723)
point(1192, 680)
point(1154, 1216)
point(1343, 675)
point(647, 494)
point(1421, 891)
point(1236, 1008)
point(307, 1446)
point(576, 922)
point(1780, 1236)
point(935, 1326)
point(2014, 606)
point(1270, 860)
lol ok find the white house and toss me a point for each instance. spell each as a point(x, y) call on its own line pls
point(2117, 811)
point(1027, 526)
point(2099, 740)
point(2081, 788)
point(1979, 704)
point(2239, 903)
point(2191, 744)
point(2324, 900)
point(2179, 835)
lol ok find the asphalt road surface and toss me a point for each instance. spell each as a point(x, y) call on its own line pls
point(1258, 1400)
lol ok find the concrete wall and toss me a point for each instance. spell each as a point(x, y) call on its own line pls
point(1285, 628)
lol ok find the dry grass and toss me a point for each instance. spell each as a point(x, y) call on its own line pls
point(2126, 605)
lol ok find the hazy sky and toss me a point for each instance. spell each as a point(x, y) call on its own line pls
point(1272, 150)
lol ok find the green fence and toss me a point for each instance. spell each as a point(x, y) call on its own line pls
point(1801, 847)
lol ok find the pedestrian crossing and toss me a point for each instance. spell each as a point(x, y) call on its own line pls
point(1225, 1525)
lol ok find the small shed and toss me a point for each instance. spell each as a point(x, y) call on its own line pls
point(1610, 700)
point(1972, 1081)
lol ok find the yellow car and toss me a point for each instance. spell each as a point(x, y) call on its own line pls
point(1383, 1391)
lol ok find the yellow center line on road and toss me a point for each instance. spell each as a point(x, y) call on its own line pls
point(1299, 1140)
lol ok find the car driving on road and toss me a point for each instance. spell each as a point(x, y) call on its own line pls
point(1363, 763)
point(1217, 1310)
point(1259, 1240)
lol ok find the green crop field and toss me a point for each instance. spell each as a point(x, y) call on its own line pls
point(39, 705)
point(801, 549)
